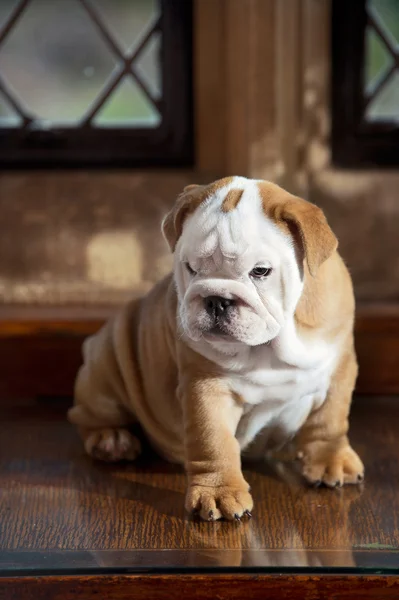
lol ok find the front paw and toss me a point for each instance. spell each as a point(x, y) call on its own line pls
point(224, 501)
point(330, 464)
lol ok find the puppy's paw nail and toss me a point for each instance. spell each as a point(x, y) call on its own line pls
point(360, 477)
point(237, 517)
point(211, 515)
point(338, 483)
point(317, 483)
point(248, 514)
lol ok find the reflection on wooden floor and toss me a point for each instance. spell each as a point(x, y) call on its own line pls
point(56, 502)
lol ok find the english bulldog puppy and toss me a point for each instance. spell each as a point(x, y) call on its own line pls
point(246, 347)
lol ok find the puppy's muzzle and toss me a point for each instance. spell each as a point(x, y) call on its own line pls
point(218, 308)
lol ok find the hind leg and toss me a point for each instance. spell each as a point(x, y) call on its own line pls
point(112, 444)
point(102, 420)
point(102, 411)
point(322, 443)
point(105, 434)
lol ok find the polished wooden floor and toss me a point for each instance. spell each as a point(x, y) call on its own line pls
point(59, 509)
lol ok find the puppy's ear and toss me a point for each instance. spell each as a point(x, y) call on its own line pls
point(186, 203)
point(317, 239)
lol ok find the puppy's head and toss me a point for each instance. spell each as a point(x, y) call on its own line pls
point(240, 249)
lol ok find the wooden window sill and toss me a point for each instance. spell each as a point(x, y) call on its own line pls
point(40, 347)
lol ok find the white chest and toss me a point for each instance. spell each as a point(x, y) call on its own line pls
point(271, 380)
point(279, 396)
point(279, 384)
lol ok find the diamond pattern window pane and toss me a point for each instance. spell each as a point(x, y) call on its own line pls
point(388, 14)
point(386, 104)
point(8, 116)
point(382, 61)
point(6, 8)
point(55, 60)
point(81, 62)
point(127, 20)
point(128, 106)
point(148, 65)
point(379, 58)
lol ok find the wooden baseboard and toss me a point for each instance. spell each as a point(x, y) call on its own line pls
point(377, 347)
point(201, 586)
point(40, 348)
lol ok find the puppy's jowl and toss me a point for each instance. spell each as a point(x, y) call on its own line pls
point(247, 347)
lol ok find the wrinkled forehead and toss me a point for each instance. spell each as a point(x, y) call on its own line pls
point(231, 224)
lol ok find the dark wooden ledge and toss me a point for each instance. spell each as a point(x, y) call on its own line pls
point(40, 347)
point(201, 587)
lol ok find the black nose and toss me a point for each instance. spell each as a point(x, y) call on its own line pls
point(216, 306)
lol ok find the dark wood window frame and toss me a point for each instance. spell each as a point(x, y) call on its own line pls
point(170, 144)
point(355, 142)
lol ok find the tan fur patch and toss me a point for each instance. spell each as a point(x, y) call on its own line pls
point(327, 300)
point(191, 198)
point(197, 194)
point(306, 219)
point(231, 201)
point(237, 398)
point(218, 185)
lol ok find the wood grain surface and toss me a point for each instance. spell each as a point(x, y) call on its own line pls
point(53, 497)
point(164, 587)
point(62, 514)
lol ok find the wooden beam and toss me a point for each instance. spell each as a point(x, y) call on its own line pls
point(235, 87)
point(209, 86)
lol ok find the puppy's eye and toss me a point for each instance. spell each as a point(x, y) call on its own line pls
point(260, 272)
point(190, 270)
